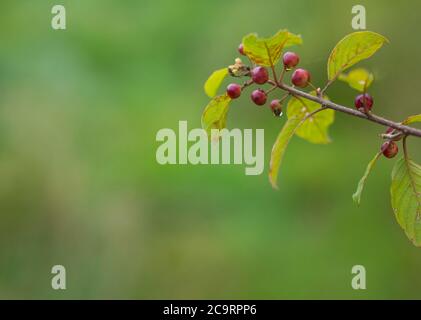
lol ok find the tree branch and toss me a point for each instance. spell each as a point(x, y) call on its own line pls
point(406, 130)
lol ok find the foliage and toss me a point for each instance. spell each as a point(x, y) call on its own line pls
point(309, 118)
point(406, 197)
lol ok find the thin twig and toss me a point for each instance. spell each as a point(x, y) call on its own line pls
point(271, 89)
point(246, 84)
point(329, 83)
point(407, 130)
point(392, 136)
point(281, 77)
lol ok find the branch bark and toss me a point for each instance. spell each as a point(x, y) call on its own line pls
point(406, 130)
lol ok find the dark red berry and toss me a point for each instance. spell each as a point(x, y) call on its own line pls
point(390, 149)
point(364, 102)
point(291, 60)
point(241, 49)
point(300, 78)
point(275, 104)
point(276, 107)
point(234, 90)
point(259, 97)
point(385, 146)
point(260, 75)
point(389, 130)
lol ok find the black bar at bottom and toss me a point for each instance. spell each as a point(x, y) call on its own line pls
point(203, 309)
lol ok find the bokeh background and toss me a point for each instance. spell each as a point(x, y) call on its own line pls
point(80, 186)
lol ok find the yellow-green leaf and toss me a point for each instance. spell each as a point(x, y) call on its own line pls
point(357, 195)
point(279, 148)
point(406, 198)
point(214, 81)
point(215, 114)
point(267, 51)
point(353, 48)
point(412, 119)
point(358, 79)
point(315, 128)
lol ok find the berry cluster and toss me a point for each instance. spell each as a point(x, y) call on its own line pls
point(259, 75)
point(311, 112)
point(300, 78)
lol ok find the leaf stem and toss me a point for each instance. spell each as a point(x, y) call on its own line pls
point(405, 149)
point(328, 84)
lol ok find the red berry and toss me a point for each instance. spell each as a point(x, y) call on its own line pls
point(364, 101)
point(260, 75)
point(259, 97)
point(234, 90)
point(276, 107)
point(389, 130)
point(389, 149)
point(300, 78)
point(274, 104)
point(396, 136)
point(241, 49)
point(291, 59)
point(385, 146)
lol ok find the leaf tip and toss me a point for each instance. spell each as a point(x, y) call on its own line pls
point(356, 199)
point(214, 81)
point(209, 94)
point(273, 183)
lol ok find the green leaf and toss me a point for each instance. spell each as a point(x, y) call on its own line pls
point(278, 150)
point(267, 51)
point(412, 119)
point(353, 48)
point(315, 128)
point(357, 195)
point(215, 114)
point(358, 79)
point(406, 198)
point(214, 81)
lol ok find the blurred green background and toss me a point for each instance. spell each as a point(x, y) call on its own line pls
point(80, 186)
